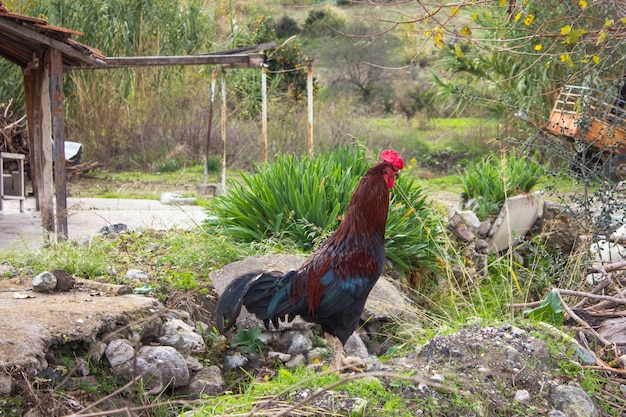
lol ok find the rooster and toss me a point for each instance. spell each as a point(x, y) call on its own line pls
point(332, 285)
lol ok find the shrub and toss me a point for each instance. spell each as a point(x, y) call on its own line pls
point(487, 184)
point(300, 200)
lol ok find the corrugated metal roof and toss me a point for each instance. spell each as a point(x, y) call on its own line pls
point(24, 37)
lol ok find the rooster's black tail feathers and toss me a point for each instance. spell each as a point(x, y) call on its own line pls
point(229, 304)
point(265, 294)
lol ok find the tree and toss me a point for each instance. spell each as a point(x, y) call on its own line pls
point(512, 54)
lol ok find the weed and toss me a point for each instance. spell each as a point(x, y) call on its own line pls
point(248, 340)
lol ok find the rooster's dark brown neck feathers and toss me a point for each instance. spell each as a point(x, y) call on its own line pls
point(367, 212)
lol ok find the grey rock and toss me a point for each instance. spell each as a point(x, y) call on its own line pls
point(318, 354)
point(481, 246)
point(176, 199)
point(585, 356)
point(513, 354)
point(193, 364)
point(119, 351)
point(299, 344)
point(522, 395)
point(463, 233)
point(236, 360)
point(556, 413)
point(355, 347)
point(296, 361)
point(113, 229)
point(182, 336)
point(283, 357)
point(483, 229)
point(44, 282)
point(573, 402)
point(6, 270)
point(136, 275)
point(170, 364)
point(6, 384)
point(373, 364)
point(207, 381)
point(96, 351)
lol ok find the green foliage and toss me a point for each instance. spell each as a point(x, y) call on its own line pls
point(299, 200)
point(413, 238)
point(549, 311)
point(288, 64)
point(171, 165)
point(286, 27)
point(322, 22)
point(248, 340)
point(509, 58)
point(488, 183)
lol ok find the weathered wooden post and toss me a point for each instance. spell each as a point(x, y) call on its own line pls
point(264, 109)
point(309, 88)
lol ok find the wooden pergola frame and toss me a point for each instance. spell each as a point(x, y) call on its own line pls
point(44, 52)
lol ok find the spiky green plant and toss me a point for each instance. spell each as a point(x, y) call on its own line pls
point(299, 200)
point(488, 183)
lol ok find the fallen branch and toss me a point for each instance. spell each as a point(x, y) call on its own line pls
point(582, 322)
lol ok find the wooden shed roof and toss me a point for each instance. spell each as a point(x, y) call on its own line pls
point(23, 37)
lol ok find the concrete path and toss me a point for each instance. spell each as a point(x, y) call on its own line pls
point(23, 231)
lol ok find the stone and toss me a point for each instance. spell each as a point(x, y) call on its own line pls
point(65, 281)
point(318, 354)
point(585, 356)
point(483, 229)
point(6, 384)
point(44, 282)
point(299, 344)
point(296, 361)
point(182, 336)
point(176, 199)
point(236, 360)
point(355, 347)
point(193, 364)
point(119, 351)
point(212, 189)
point(6, 270)
point(522, 395)
point(573, 402)
point(170, 364)
point(136, 275)
point(207, 381)
point(113, 229)
point(281, 356)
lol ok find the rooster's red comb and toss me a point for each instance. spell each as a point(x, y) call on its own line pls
point(393, 158)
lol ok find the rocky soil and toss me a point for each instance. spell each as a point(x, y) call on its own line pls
point(481, 369)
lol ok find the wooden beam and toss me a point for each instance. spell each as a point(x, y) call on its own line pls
point(234, 60)
point(37, 91)
point(60, 186)
point(32, 35)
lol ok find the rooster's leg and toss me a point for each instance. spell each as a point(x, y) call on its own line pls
point(340, 362)
point(337, 347)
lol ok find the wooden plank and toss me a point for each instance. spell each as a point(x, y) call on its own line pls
point(46, 192)
point(60, 185)
point(33, 35)
point(11, 155)
point(247, 61)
